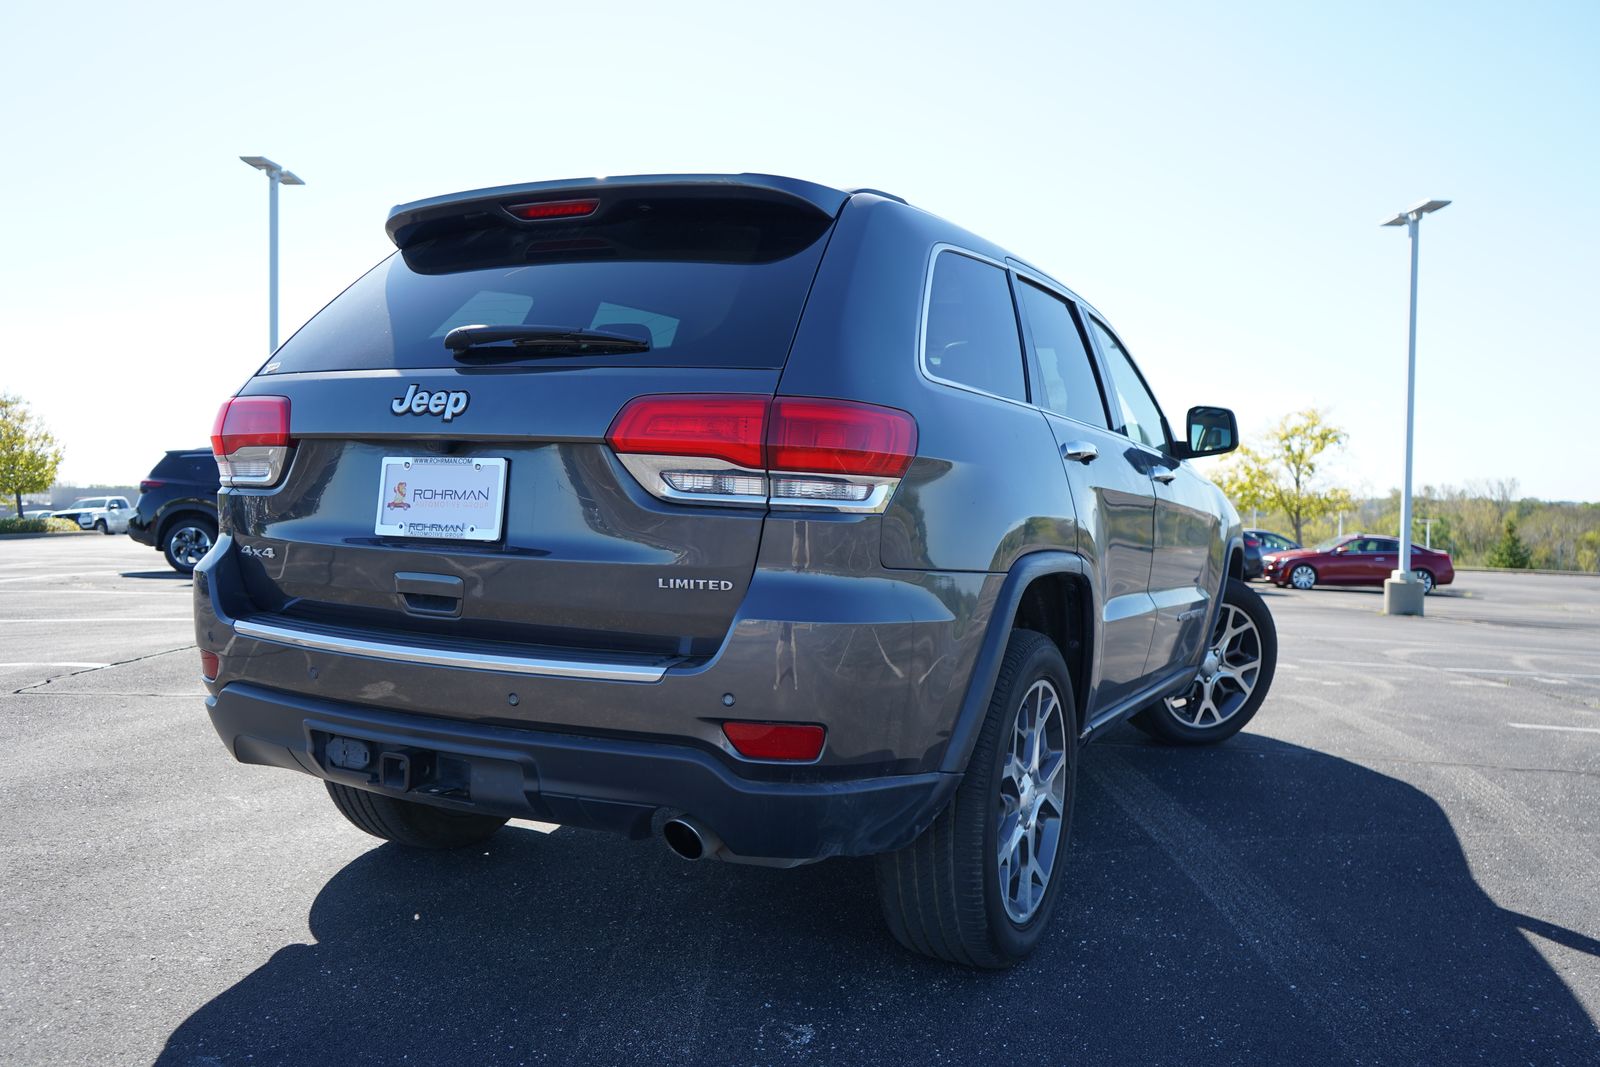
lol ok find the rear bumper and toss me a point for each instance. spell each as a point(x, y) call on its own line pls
point(624, 786)
point(142, 532)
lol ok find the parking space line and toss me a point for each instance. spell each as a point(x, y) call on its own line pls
point(64, 574)
point(1551, 726)
point(106, 618)
point(164, 591)
point(86, 666)
point(1396, 665)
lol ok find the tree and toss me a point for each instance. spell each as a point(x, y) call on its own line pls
point(29, 455)
point(1510, 552)
point(1282, 475)
point(1589, 551)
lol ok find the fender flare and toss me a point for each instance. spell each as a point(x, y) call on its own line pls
point(980, 684)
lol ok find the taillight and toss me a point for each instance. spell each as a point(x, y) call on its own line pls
point(775, 740)
point(789, 452)
point(834, 452)
point(689, 424)
point(149, 484)
point(250, 440)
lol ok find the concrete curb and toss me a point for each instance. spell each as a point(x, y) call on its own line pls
point(1519, 570)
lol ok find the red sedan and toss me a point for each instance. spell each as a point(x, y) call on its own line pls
point(1355, 559)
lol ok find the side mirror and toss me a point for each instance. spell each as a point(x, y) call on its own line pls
point(1212, 431)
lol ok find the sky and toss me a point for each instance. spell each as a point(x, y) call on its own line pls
point(1211, 177)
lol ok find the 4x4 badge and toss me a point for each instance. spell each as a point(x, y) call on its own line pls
point(418, 401)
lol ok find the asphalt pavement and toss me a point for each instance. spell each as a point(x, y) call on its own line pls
point(1397, 862)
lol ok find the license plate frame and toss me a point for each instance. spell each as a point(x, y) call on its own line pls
point(442, 498)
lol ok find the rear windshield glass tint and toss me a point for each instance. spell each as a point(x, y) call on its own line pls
point(184, 466)
point(717, 283)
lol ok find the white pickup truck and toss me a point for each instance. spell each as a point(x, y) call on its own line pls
point(108, 514)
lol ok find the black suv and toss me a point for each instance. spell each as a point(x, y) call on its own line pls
point(177, 508)
point(778, 521)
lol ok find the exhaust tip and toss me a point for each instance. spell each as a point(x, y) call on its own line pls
point(685, 838)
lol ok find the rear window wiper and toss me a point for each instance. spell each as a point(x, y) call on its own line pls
point(528, 339)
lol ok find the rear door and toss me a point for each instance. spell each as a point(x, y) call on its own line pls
point(1110, 482)
point(1188, 544)
point(471, 495)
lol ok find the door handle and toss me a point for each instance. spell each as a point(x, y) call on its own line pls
point(1080, 451)
point(1164, 477)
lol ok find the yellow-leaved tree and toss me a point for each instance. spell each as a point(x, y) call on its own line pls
point(1282, 473)
point(29, 455)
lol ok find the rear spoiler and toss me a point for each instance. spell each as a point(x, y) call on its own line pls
point(416, 221)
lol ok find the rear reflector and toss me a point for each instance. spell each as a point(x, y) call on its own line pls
point(554, 209)
point(775, 740)
point(210, 665)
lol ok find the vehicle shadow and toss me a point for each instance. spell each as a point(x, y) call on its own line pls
point(1260, 902)
point(163, 575)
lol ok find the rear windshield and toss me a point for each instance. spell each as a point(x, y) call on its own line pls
point(186, 466)
point(714, 283)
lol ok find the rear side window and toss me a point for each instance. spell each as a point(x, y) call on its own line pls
point(972, 336)
point(713, 282)
point(1067, 382)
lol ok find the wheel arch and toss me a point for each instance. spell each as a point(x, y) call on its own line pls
point(164, 527)
point(1048, 591)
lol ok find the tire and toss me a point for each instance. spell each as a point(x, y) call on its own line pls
point(1244, 632)
point(187, 540)
point(1302, 572)
point(100, 524)
point(405, 822)
point(1425, 576)
point(943, 894)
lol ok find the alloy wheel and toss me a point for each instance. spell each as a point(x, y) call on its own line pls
point(1228, 674)
point(190, 544)
point(1425, 578)
point(1302, 577)
point(1033, 801)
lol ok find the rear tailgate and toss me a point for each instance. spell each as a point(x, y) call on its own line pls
point(582, 547)
point(715, 276)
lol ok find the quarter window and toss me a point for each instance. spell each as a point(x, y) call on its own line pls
point(972, 336)
point(1137, 410)
point(1067, 383)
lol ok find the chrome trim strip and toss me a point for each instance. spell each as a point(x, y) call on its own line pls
point(439, 657)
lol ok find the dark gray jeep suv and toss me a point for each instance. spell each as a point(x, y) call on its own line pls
point(779, 521)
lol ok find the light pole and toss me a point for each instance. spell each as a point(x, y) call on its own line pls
point(276, 176)
point(1402, 593)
